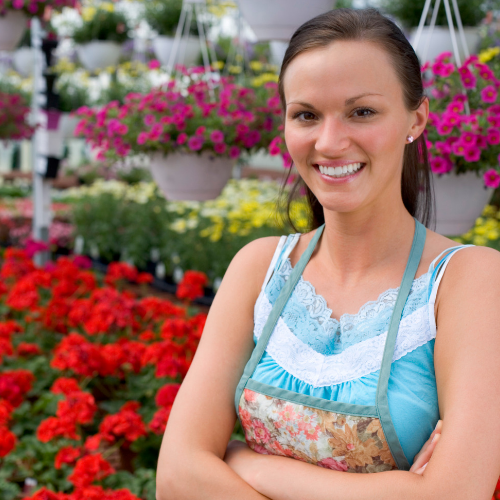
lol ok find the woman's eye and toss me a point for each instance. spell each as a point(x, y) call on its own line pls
point(363, 110)
point(304, 116)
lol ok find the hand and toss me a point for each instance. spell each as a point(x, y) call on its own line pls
point(242, 460)
point(423, 456)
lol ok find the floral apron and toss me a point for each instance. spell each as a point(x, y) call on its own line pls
point(331, 434)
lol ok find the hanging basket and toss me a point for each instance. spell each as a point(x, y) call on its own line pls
point(185, 176)
point(460, 199)
point(440, 41)
point(99, 54)
point(68, 125)
point(278, 19)
point(23, 60)
point(12, 27)
point(190, 48)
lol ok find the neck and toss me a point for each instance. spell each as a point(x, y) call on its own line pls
point(357, 242)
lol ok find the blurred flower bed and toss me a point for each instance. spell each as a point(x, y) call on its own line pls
point(135, 223)
point(88, 375)
point(486, 231)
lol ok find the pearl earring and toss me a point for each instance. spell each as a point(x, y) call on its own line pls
point(409, 138)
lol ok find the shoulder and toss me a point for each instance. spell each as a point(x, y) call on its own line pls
point(471, 284)
point(249, 266)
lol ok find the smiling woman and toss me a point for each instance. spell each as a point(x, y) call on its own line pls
point(342, 348)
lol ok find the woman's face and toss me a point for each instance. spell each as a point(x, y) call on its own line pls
point(344, 107)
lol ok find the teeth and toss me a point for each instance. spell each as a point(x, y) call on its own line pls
point(340, 171)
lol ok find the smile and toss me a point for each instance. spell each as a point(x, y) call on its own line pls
point(343, 171)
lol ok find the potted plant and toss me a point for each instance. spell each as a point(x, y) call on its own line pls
point(14, 123)
point(100, 37)
point(278, 19)
point(193, 129)
point(163, 16)
point(73, 94)
point(14, 16)
point(408, 12)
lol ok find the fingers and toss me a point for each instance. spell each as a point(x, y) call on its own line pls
point(423, 456)
point(420, 464)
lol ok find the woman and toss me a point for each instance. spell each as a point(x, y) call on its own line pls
point(326, 373)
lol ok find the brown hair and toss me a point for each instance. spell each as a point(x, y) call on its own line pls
point(369, 25)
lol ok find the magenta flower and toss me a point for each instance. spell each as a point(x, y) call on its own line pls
point(155, 132)
point(491, 178)
point(444, 128)
point(468, 79)
point(195, 143)
point(274, 147)
point(154, 64)
point(468, 138)
point(149, 120)
point(142, 138)
point(472, 153)
point(444, 56)
point(182, 138)
point(489, 94)
point(458, 148)
point(287, 159)
point(234, 152)
point(220, 148)
point(217, 136)
point(200, 130)
point(441, 165)
point(455, 107)
point(493, 136)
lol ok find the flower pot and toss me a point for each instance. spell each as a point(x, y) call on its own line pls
point(23, 60)
point(460, 199)
point(12, 27)
point(440, 41)
point(278, 19)
point(68, 125)
point(184, 176)
point(99, 54)
point(187, 53)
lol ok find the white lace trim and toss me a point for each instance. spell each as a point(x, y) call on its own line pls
point(361, 359)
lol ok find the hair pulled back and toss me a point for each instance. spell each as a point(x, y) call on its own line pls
point(371, 26)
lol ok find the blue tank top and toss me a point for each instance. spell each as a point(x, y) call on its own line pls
point(311, 353)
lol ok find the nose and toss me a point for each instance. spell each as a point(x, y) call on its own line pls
point(332, 137)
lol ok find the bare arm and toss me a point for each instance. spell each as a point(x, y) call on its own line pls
point(191, 462)
point(466, 461)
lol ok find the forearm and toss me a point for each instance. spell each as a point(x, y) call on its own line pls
point(287, 479)
point(201, 475)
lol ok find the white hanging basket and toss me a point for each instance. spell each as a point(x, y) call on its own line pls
point(185, 176)
point(23, 60)
point(440, 41)
point(12, 27)
point(460, 199)
point(278, 19)
point(190, 47)
point(99, 54)
point(68, 125)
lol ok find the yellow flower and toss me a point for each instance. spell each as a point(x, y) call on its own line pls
point(256, 65)
point(489, 211)
point(488, 54)
point(479, 240)
point(493, 234)
point(88, 13)
point(107, 6)
point(218, 65)
point(235, 70)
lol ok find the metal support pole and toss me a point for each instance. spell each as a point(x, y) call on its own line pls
point(41, 187)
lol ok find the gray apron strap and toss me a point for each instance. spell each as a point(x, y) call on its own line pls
point(273, 317)
point(382, 401)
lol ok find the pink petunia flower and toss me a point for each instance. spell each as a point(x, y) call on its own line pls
point(472, 153)
point(441, 165)
point(220, 148)
point(489, 94)
point(491, 178)
point(234, 152)
point(182, 138)
point(217, 136)
point(195, 143)
point(493, 136)
point(154, 64)
point(142, 138)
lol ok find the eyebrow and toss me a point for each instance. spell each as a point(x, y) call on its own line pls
point(347, 102)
